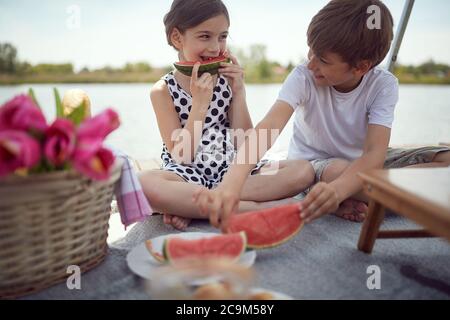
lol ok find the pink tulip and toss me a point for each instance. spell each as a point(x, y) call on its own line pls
point(59, 141)
point(92, 160)
point(21, 113)
point(17, 150)
point(99, 126)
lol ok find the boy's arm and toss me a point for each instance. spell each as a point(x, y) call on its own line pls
point(221, 202)
point(325, 197)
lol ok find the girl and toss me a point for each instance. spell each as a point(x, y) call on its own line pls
point(194, 115)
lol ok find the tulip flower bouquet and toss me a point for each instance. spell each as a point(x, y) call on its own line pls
point(28, 145)
point(56, 187)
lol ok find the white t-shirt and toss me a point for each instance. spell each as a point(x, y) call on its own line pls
point(331, 124)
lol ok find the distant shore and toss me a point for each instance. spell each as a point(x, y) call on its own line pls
point(102, 77)
point(79, 78)
point(259, 69)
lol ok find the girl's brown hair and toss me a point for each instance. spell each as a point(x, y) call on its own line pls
point(342, 27)
point(186, 14)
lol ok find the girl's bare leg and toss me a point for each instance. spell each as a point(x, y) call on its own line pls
point(171, 195)
point(279, 180)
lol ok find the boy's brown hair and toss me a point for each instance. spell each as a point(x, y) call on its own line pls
point(342, 27)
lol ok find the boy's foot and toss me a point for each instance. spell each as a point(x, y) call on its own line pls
point(179, 223)
point(352, 210)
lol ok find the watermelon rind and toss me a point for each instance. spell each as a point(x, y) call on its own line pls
point(156, 255)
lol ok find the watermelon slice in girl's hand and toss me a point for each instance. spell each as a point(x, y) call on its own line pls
point(211, 66)
point(267, 228)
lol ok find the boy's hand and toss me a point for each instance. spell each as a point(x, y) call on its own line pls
point(234, 72)
point(201, 88)
point(322, 199)
point(219, 204)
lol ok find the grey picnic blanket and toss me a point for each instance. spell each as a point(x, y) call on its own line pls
point(321, 262)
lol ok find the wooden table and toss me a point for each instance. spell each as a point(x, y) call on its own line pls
point(421, 195)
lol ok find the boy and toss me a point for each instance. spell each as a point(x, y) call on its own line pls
point(344, 108)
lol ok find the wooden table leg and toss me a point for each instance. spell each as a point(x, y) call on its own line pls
point(371, 226)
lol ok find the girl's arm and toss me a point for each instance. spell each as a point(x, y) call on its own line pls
point(238, 113)
point(166, 116)
point(239, 116)
point(182, 143)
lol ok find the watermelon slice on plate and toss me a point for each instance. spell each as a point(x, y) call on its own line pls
point(230, 246)
point(148, 257)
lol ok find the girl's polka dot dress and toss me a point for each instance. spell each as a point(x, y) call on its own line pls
point(216, 150)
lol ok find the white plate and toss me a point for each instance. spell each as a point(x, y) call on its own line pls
point(141, 262)
point(276, 295)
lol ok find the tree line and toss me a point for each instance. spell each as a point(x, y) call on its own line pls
point(10, 64)
point(258, 68)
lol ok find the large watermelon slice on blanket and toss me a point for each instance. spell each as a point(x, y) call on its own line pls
point(221, 246)
point(268, 228)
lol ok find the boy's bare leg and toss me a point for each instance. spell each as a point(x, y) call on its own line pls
point(171, 195)
point(353, 209)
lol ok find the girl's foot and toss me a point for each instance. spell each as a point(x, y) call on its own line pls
point(352, 210)
point(179, 223)
point(167, 219)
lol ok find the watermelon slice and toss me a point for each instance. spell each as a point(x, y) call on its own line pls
point(211, 66)
point(267, 228)
point(220, 246)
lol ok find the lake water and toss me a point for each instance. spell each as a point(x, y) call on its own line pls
point(421, 117)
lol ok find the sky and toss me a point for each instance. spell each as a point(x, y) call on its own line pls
point(113, 32)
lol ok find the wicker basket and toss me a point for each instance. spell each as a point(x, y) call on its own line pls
point(49, 222)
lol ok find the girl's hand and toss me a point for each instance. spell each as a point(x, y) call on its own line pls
point(322, 199)
point(219, 204)
point(201, 88)
point(235, 74)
